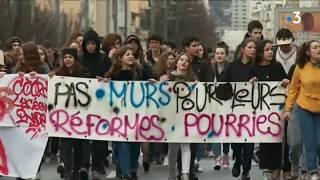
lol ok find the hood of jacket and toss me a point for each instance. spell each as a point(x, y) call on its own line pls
point(91, 35)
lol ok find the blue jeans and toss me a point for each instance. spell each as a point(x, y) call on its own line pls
point(310, 130)
point(126, 155)
point(216, 147)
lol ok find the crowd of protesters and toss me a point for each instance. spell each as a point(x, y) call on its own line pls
point(256, 59)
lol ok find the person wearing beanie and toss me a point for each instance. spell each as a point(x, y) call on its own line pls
point(12, 54)
point(79, 149)
point(71, 51)
point(94, 63)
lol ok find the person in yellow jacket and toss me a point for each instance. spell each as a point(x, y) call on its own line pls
point(304, 91)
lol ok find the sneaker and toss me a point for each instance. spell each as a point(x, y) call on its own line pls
point(210, 154)
point(288, 176)
point(37, 177)
point(196, 165)
point(61, 170)
point(303, 176)
point(275, 174)
point(245, 176)
point(266, 175)
point(134, 176)
point(166, 161)
point(295, 172)
point(146, 166)
point(200, 168)
point(95, 175)
point(315, 176)
point(236, 170)
point(184, 177)
point(225, 162)
point(125, 178)
point(83, 174)
point(217, 165)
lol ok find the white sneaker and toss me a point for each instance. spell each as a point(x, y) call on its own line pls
point(185, 177)
point(166, 161)
point(210, 154)
point(217, 165)
point(266, 175)
point(315, 177)
point(37, 177)
point(200, 168)
point(225, 162)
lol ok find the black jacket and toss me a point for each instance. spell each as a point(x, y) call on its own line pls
point(93, 64)
point(237, 72)
point(219, 76)
point(202, 69)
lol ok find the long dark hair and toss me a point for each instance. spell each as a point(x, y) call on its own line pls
point(74, 71)
point(205, 55)
point(109, 40)
point(46, 55)
point(31, 58)
point(260, 51)
point(117, 66)
point(302, 56)
point(161, 67)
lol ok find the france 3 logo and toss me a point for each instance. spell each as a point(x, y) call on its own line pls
point(296, 18)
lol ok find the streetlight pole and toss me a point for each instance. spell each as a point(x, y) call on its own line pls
point(125, 18)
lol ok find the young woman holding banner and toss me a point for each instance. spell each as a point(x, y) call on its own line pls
point(74, 153)
point(219, 67)
point(126, 154)
point(304, 93)
point(238, 71)
point(30, 63)
point(266, 68)
point(181, 72)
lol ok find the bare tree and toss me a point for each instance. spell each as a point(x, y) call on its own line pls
point(27, 21)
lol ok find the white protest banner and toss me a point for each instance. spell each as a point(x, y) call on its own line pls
point(165, 111)
point(22, 122)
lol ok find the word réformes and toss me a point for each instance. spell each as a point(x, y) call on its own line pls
point(139, 127)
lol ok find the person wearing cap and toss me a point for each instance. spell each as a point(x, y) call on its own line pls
point(94, 64)
point(286, 51)
point(286, 54)
point(134, 42)
point(12, 54)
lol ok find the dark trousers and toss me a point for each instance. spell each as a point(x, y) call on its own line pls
point(271, 157)
point(243, 153)
point(75, 154)
point(54, 145)
point(99, 154)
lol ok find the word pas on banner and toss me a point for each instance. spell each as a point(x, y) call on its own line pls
point(165, 111)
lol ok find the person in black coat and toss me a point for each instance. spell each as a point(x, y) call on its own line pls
point(266, 68)
point(94, 63)
point(239, 71)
